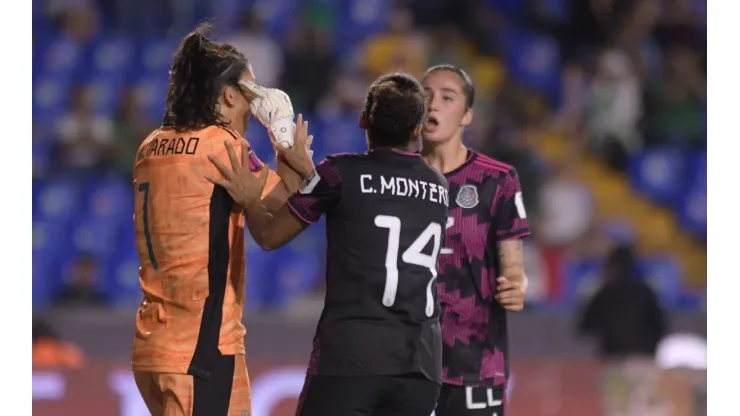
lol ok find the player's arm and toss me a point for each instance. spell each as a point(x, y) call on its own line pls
point(318, 195)
point(511, 227)
point(279, 185)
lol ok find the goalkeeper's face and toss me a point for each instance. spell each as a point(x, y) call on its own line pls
point(235, 102)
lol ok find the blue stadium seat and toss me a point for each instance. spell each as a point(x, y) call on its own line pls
point(121, 278)
point(582, 279)
point(42, 156)
point(357, 20)
point(698, 169)
point(57, 199)
point(97, 236)
point(692, 212)
point(110, 199)
point(277, 15)
point(106, 92)
point(49, 245)
point(155, 55)
point(341, 135)
point(59, 55)
point(298, 273)
point(111, 55)
point(665, 277)
point(51, 95)
point(151, 94)
point(659, 173)
point(263, 289)
point(533, 60)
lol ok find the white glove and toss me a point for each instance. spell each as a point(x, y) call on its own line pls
point(273, 109)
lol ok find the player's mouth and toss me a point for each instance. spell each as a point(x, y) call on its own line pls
point(431, 123)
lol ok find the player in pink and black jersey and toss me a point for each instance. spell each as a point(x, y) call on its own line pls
point(481, 267)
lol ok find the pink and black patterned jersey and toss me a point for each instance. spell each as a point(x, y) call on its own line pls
point(385, 216)
point(485, 208)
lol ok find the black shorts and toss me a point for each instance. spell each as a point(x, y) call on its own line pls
point(409, 395)
point(470, 401)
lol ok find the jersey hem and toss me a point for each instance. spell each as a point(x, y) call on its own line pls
point(297, 214)
point(513, 236)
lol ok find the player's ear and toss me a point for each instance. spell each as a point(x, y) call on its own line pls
point(467, 118)
point(418, 131)
point(363, 121)
point(229, 95)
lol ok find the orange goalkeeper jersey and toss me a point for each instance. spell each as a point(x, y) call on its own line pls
point(190, 239)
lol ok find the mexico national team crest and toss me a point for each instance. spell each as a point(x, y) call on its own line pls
point(467, 196)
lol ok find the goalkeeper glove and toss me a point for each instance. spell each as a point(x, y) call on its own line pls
point(272, 107)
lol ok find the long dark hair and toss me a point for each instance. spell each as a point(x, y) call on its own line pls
point(200, 68)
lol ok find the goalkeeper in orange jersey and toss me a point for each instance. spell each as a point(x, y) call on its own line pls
point(188, 349)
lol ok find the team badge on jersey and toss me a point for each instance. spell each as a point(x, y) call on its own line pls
point(467, 196)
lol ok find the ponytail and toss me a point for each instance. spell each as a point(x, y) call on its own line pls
point(200, 67)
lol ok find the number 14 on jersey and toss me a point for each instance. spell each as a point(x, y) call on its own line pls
point(412, 255)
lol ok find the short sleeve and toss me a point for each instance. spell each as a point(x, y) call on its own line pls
point(510, 216)
point(310, 206)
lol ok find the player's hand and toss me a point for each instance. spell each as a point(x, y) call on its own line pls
point(272, 107)
point(300, 156)
point(509, 294)
point(244, 186)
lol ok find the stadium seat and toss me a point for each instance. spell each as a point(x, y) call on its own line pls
point(341, 135)
point(155, 54)
point(49, 244)
point(59, 55)
point(111, 55)
point(664, 276)
point(276, 15)
point(121, 278)
point(105, 92)
point(97, 236)
point(356, 20)
point(263, 289)
point(109, 199)
point(533, 60)
point(692, 212)
point(659, 173)
point(582, 279)
point(298, 273)
point(151, 94)
point(57, 199)
point(51, 95)
point(41, 154)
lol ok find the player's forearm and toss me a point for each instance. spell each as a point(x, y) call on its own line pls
point(290, 182)
point(511, 262)
point(270, 231)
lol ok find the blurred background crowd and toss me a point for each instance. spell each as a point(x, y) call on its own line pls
point(599, 104)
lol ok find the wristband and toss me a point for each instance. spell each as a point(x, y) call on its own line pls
point(284, 131)
point(310, 183)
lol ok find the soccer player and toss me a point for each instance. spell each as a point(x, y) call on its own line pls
point(377, 349)
point(481, 272)
point(188, 348)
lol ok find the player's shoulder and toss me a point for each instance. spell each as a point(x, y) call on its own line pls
point(491, 166)
point(337, 160)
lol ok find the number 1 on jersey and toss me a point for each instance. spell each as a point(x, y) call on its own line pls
point(144, 189)
point(411, 255)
